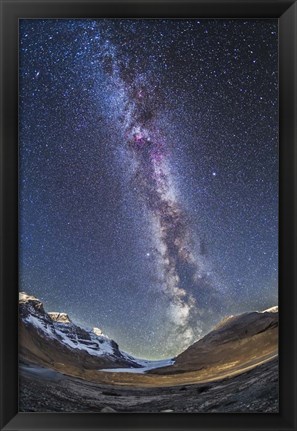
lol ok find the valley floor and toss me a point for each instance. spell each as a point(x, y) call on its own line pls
point(254, 391)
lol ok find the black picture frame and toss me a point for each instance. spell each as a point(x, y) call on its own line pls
point(11, 12)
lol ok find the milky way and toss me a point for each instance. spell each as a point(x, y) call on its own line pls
point(148, 174)
point(180, 272)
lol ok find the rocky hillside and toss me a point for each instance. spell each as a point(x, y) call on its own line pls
point(52, 339)
point(238, 340)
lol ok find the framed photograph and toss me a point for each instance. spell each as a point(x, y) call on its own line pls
point(148, 215)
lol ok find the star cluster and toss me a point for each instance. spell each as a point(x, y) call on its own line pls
point(149, 173)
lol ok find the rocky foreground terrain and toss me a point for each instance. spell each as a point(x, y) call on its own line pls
point(64, 367)
point(255, 391)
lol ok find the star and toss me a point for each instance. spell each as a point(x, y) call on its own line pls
point(121, 131)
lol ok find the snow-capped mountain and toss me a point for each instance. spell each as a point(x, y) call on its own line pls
point(54, 341)
point(247, 338)
point(51, 338)
point(271, 310)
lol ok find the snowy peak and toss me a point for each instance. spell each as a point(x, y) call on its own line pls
point(97, 331)
point(271, 310)
point(59, 317)
point(31, 302)
point(24, 297)
point(53, 335)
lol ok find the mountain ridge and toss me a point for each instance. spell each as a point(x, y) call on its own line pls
point(46, 338)
point(53, 340)
point(240, 339)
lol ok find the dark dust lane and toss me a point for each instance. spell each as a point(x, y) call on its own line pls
point(254, 391)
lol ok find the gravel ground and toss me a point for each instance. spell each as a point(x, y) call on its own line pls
point(255, 391)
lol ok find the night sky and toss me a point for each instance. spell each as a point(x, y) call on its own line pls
point(149, 174)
